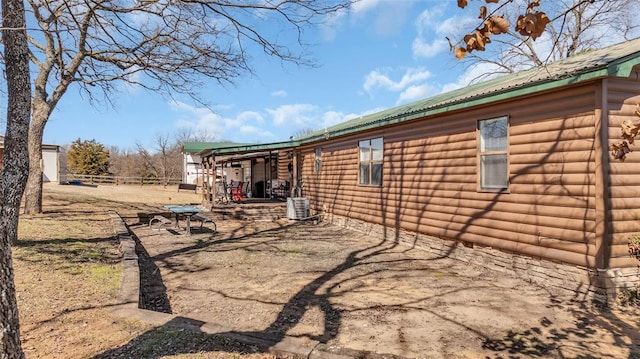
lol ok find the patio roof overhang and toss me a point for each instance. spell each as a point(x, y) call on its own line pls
point(247, 151)
point(244, 156)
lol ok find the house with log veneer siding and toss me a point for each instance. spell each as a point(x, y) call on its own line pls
point(513, 173)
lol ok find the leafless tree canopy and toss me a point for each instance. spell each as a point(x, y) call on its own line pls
point(162, 160)
point(166, 46)
point(576, 26)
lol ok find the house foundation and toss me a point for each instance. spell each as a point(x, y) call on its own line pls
point(562, 280)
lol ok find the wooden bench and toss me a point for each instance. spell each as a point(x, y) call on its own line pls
point(162, 221)
point(202, 219)
point(187, 186)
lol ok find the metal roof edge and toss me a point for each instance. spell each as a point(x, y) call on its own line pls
point(251, 148)
point(623, 67)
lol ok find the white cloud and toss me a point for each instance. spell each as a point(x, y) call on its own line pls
point(279, 93)
point(331, 118)
point(455, 25)
point(257, 132)
point(424, 49)
point(329, 27)
point(364, 6)
point(253, 126)
point(359, 10)
point(244, 127)
point(377, 79)
point(413, 93)
point(292, 114)
point(432, 29)
point(250, 116)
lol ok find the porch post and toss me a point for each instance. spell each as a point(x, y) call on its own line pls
point(294, 181)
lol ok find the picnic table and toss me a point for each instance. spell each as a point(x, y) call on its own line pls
point(184, 210)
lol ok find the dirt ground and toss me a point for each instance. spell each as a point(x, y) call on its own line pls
point(67, 273)
point(349, 290)
point(283, 278)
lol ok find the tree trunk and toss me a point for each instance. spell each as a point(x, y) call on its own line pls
point(33, 193)
point(16, 167)
point(10, 346)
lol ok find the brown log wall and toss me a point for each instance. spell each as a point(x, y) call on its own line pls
point(622, 98)
point(430, 179)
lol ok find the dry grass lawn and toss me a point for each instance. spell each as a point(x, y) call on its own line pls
point(67, 274)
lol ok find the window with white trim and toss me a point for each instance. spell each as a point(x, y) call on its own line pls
point(371, 156)
point(492, 153)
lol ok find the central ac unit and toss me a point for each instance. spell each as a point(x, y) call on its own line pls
point(297, 208)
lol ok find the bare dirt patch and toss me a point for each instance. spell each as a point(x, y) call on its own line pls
point(349, 290)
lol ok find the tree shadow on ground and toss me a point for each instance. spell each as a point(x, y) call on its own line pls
point(548, 340)
point(182, 336)
point(539, 341)
point(153, 292)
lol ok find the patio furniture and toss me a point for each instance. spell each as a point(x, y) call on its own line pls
point(161, 221)
point(222, 192)
point(202, 219)
point(187, 186)
point(184, 210)
point(236, 191)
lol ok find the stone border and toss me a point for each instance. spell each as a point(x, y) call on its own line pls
point(288, 347)
point(559, 279)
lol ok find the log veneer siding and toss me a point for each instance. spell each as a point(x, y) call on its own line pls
point(430, 179)
point(569, 209)
point(624, 210)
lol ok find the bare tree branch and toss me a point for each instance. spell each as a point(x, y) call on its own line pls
point(576, 26)
point(165, 46)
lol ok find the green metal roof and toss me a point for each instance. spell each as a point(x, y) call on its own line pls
point(251, 148)
point(616, 60)
point(197, 147)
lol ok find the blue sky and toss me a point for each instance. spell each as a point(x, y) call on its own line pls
point(378, 55)
point(381, 54)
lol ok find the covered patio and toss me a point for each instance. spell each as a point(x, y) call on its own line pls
point(248, 173)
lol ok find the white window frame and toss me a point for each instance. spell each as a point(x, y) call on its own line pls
point(493, 154)
point(372, 159)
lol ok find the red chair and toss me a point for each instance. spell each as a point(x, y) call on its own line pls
point(236, 192)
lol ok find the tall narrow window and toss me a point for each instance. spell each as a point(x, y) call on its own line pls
point(317, 164)
point(494, 169)
point(371, 155)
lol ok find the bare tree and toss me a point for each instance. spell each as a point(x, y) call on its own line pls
point(168, 156)
point(147, 161)
point(124, 163)
point(13, 175)
point(302, 132)
point(557, 30)
point(188, 134)
point(163, 46)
